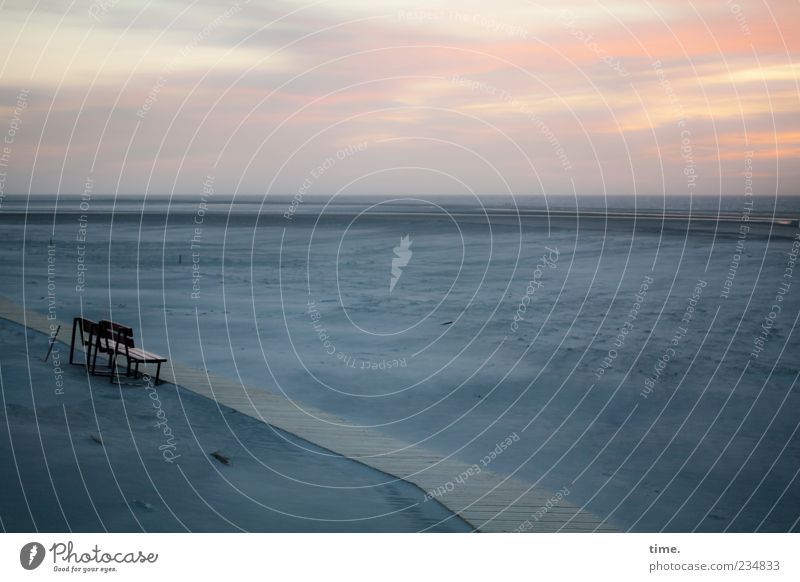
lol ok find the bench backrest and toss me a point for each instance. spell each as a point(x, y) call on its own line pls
point(116, 332)
point(87, 328)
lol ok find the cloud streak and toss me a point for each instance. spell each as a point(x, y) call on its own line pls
point(245, 89)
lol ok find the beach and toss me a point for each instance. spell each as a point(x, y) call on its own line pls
point(621, 362)
point(89, 456)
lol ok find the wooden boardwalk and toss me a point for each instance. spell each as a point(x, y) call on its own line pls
point(487, 501)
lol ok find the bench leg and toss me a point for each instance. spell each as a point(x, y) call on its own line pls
point(136, 372)
point(113, 360)
point(128, 369)
point(87, 356)
point(72, 342)
point(94, 361)
point(158, 372)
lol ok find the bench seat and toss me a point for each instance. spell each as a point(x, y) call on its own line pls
point(139, 356)
point(143, 357)
point(117, 340)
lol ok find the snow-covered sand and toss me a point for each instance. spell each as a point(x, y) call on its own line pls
point(101, 457)
point(493, 328)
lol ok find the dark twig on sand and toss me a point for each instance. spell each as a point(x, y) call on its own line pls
point(224, 459)
point(143, 505)
point(52, 341)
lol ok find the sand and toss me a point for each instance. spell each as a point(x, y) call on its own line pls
point(711, 445)
point(126, 458)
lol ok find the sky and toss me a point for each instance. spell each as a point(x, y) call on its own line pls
point(407, 98)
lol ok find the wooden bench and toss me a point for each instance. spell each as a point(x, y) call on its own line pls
point(117, 339)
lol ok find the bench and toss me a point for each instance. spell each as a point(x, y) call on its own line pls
point(117, 339)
